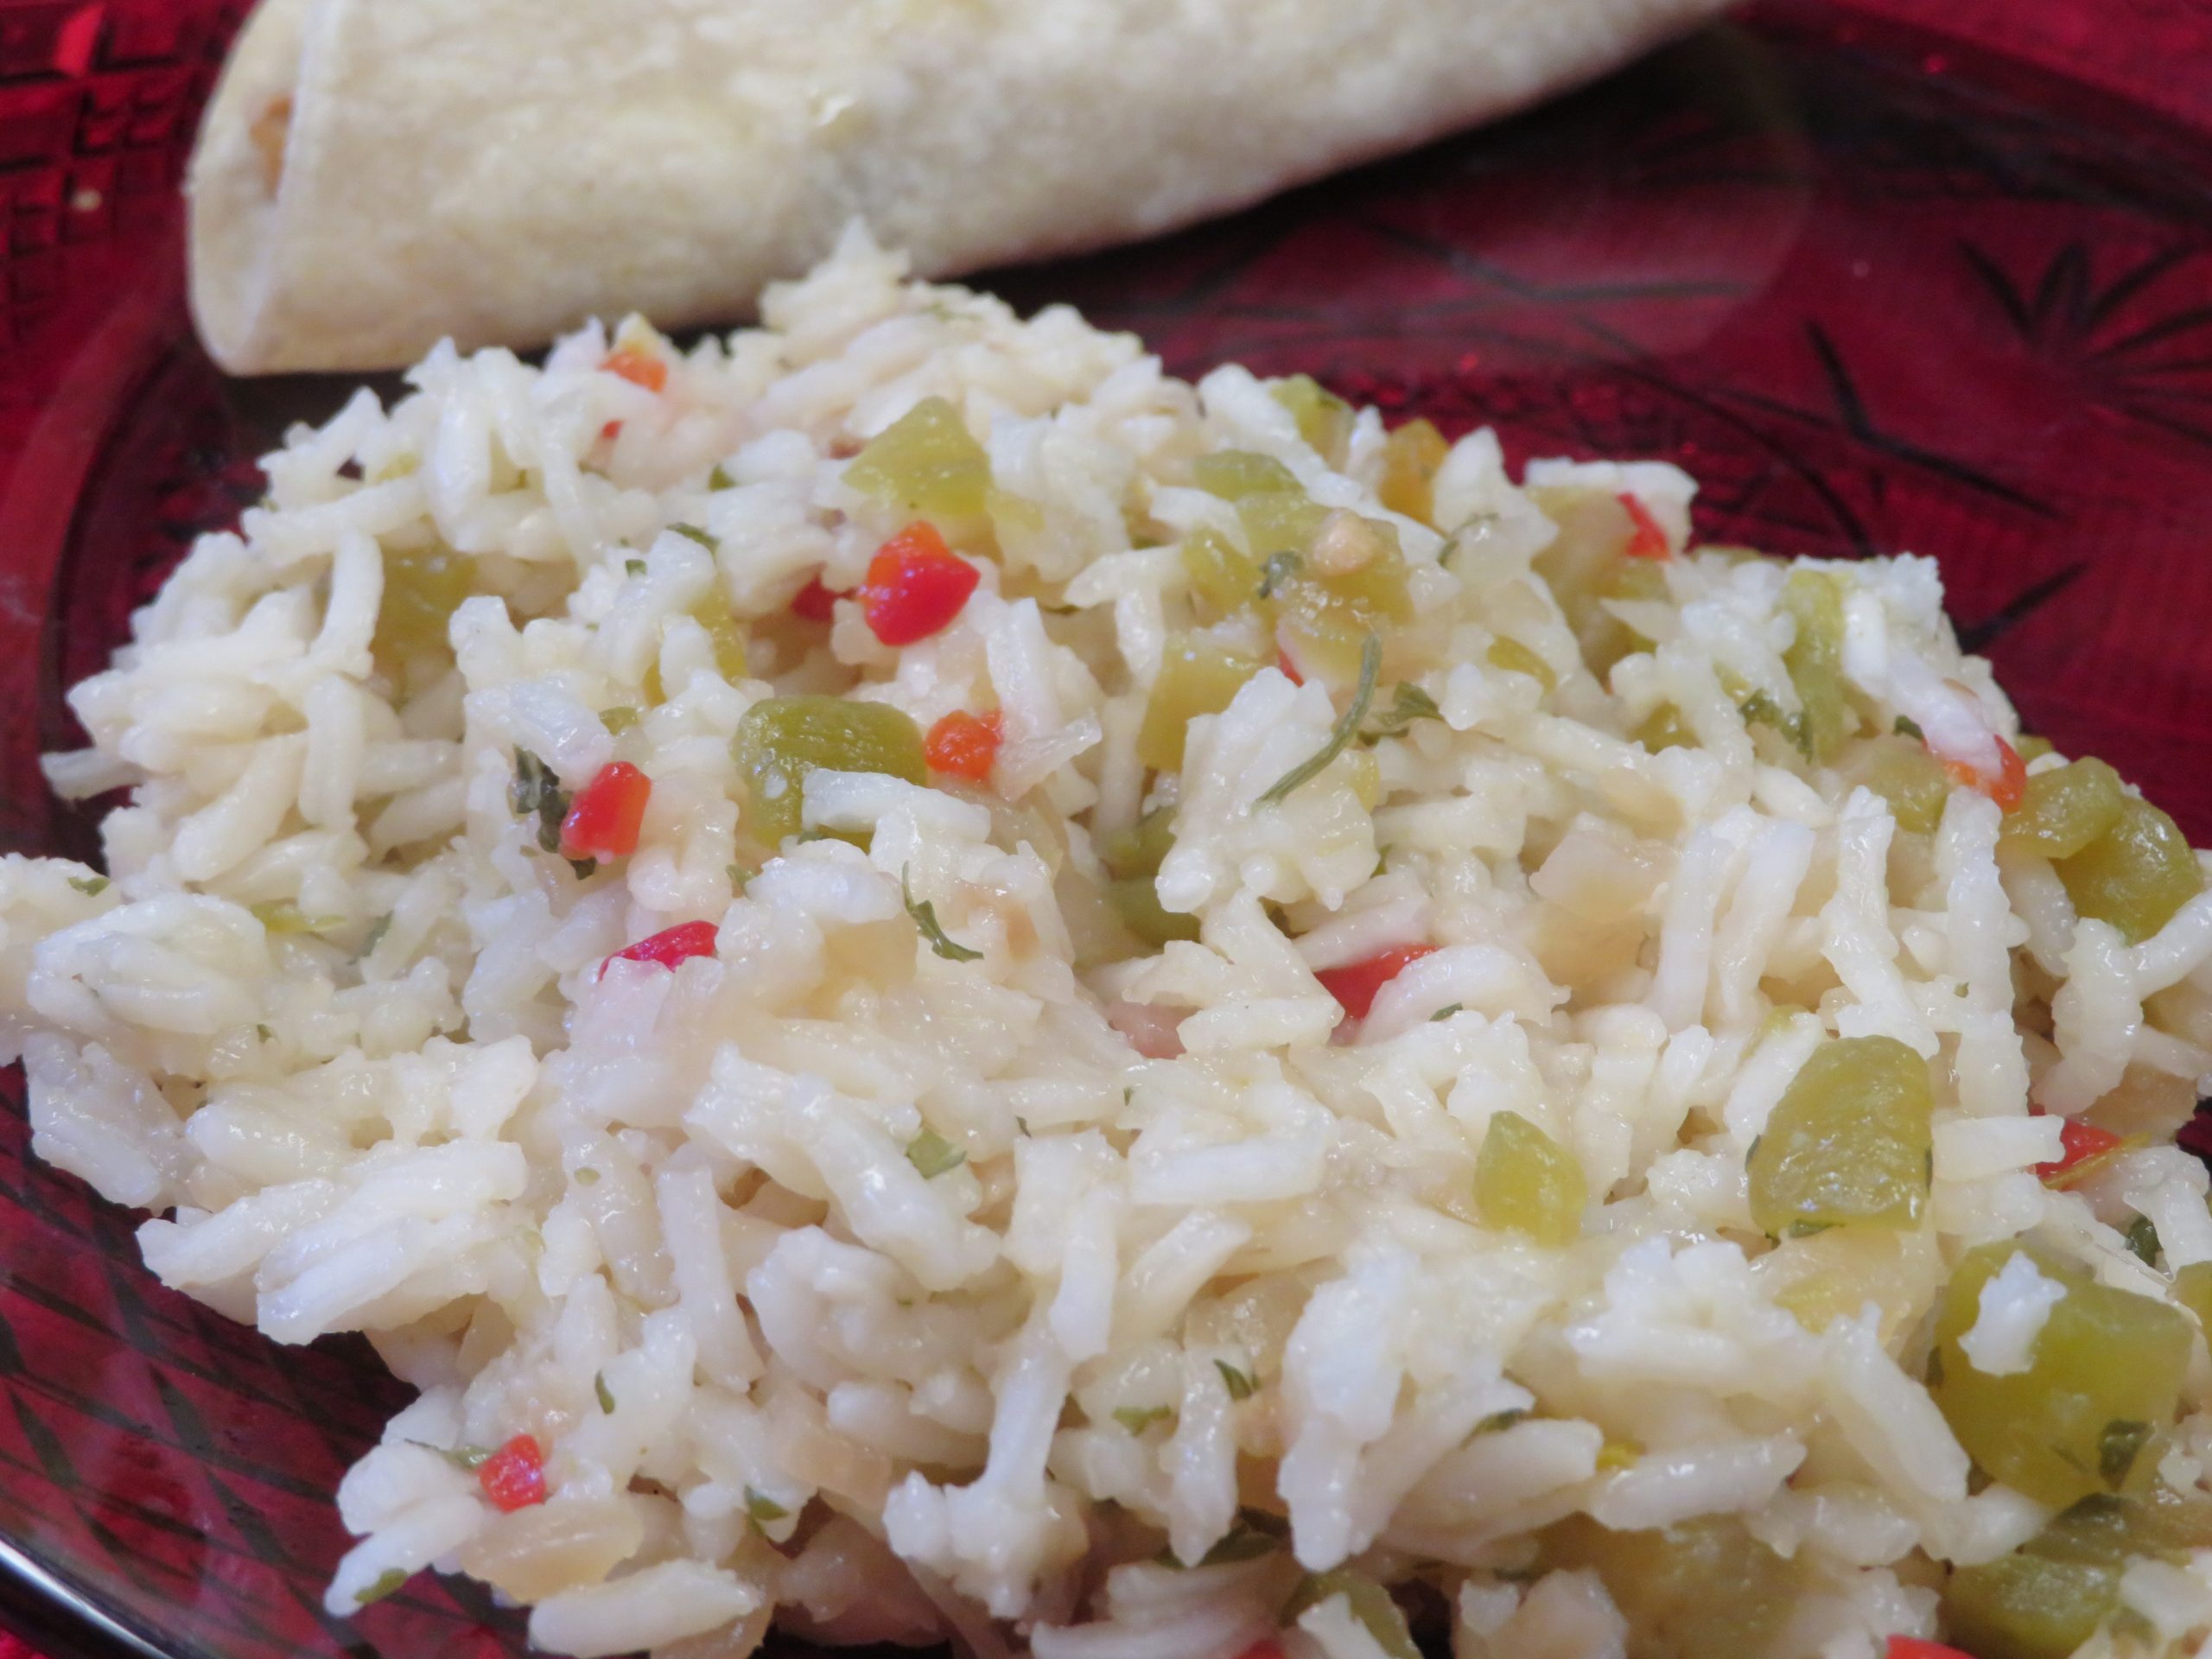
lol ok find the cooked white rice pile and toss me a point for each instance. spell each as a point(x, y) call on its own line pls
point(895, 1293)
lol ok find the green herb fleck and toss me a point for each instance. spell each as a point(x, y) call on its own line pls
point(1445, 1012)
point(1907, 727)
point(693, 533)
point(1244, 1541)
point(618, 718)
point(537, 793)
point(1760, 709)
point(1499, 1419)
point(282, 916)
point(385, 1582)
point(605, 1394)
point(925, 915)
point(374, 937)
point(584, 867)
point(1021, 1123)
point(719, 479)
point(1279, 569)
point(264, 1034)
point(2142, 1239)
point(739, 875)
point(1241, 1384)
point(2118, 1447)
point(461, 1457)
point(1370, 665)
point(1239, 1543)
point(933, 1155)
point(761, 1509)
point(90, 886)
point(1365, 1599)
point(1137, 1419)
point(634, 567)
point(1407, 704)
point(587, 1176)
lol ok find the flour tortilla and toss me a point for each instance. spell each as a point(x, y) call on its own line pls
point(376, 175)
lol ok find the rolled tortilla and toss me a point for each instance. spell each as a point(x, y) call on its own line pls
point(375, 174)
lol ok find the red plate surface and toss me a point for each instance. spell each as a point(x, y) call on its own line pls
point(1887, 274)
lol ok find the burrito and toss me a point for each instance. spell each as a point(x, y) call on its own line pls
point(375, 176)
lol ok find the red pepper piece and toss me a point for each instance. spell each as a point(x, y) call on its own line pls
point(2007, 789)
point(915, 586)
point(513, 1477)
point(1648, 541)
point(1266, 1647)
point(962, 745)
point(638, 368)
point(1914, 1647)
point(814, 602)
point(1356, 984)
point(1289, 669)
point(604, 819)
point(2085, 1145)
point(669, 946)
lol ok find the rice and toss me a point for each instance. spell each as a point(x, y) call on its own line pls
point(939, 1217)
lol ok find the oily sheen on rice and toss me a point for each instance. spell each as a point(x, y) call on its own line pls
point(902, 1274)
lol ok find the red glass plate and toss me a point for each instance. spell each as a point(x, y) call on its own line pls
point(1932, 275)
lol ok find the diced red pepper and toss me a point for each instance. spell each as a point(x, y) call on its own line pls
point(915, 586)
point(2086, 1146)
point(638, 368)
point(2007, 789)
point(1356, 984)
point(962, 745)
point(669, 946)
point(513, 1477)
point(1266, 1647)
point(604, 819)
point(815, 603)
point(1289, 669)
point(1648, 541)
point(1914, 1647)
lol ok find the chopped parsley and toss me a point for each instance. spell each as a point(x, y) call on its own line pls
point(90, 886)
point(605, 1394)
point(1407, 704)
point(1137, 1419)
point(2142, 1239)
point(537, 793)
point(1445, 1012)
point(719, 478)
point(1241, 1384)
point(1907, 727)
point(933, 1155)
point(925, 915)
point(1279, 569)
point(693, 533)
point(2118, 1447)
point(384, 1584)
point(1760, 709)
point(461, 1457)
point(760, 1508)
point(282, 916)
point(1370, 665)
